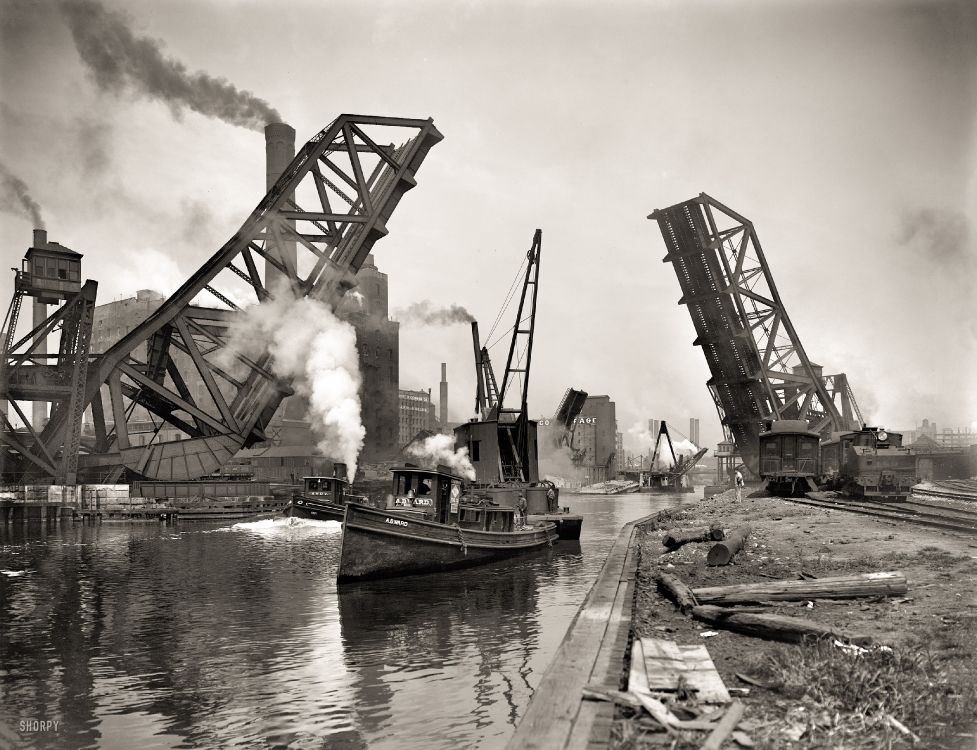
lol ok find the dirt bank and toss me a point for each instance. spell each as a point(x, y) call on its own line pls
point(822, 696)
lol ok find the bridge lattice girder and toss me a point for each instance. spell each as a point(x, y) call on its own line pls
point(760, 371)
point(312, 230)
point(50, 450)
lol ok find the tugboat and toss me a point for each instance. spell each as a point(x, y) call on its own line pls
point(430, 526)
point(324, 498)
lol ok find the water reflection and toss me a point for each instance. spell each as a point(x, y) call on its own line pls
point(203, 636)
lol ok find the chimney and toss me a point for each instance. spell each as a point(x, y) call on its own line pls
point(444, 396)
point(40, 238)
point(279, 152)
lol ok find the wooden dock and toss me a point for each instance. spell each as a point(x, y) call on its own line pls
point(592, 651)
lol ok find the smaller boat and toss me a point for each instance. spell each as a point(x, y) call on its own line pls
point(324, 498)
point(429, 526)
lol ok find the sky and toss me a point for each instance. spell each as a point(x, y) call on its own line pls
point(844, 130)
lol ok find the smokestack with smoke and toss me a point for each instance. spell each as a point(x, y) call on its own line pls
point(311, 347)
point(119, 61)
point(443, 408)
point(425, 313)
point(15, 198)
point(440, 449)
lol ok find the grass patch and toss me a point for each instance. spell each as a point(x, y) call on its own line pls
point(843, 698)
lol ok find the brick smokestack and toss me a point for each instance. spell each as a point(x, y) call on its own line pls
point(444, 396)
point(279, 152)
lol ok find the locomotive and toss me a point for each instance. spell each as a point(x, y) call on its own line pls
point(870, 462)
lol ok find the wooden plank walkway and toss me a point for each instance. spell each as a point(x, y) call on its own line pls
point(592, 651)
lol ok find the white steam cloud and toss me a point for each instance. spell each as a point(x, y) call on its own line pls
point(120, 60)
point(426, 313)
point(316, 351)
point(440, 449)
point(557, 461)
point(682, 446)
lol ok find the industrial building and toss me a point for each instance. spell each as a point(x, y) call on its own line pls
point(378, 345)
point(596, 435)
point(416, 415)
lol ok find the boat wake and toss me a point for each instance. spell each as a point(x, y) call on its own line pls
point(273, 525)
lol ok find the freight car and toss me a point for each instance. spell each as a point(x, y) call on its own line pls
point(789, 453)
point(870, 462)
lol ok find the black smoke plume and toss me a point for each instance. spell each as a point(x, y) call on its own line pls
point(119, 61)
point(424, 313)
point(15, 199)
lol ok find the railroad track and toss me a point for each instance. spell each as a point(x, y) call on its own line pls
point(917, 514)
point(951, 489)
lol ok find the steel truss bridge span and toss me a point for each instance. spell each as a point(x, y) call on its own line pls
point(760, 371)
point(312, 231)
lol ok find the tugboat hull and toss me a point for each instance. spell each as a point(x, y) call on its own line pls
point(568, 525)
point(383, 544)
point(304, 507)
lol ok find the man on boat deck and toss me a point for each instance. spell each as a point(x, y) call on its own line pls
point(520, 512)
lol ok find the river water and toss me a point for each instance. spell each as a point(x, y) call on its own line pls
point(234, 635)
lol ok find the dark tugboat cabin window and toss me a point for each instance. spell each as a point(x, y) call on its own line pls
point(318, 484)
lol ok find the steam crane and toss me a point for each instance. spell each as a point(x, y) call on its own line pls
point(515, 462)
point(312, 231)
point(486, 386)
point(671, 479)
point(501, 441)
point(760, 371)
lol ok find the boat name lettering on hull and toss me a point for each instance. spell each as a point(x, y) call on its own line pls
point(395, 521)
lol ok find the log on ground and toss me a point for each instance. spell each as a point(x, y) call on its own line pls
point(677, 537)
point(836, 587)
point(772, 627)
point(722, 553)
point(676, 590)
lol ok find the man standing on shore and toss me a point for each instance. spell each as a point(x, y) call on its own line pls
point(738, 481)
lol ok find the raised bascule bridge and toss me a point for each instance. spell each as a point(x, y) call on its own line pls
point(759, 369)
point(325, 208)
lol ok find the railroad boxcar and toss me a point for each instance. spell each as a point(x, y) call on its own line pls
point(873, 463)
point(789, 457)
